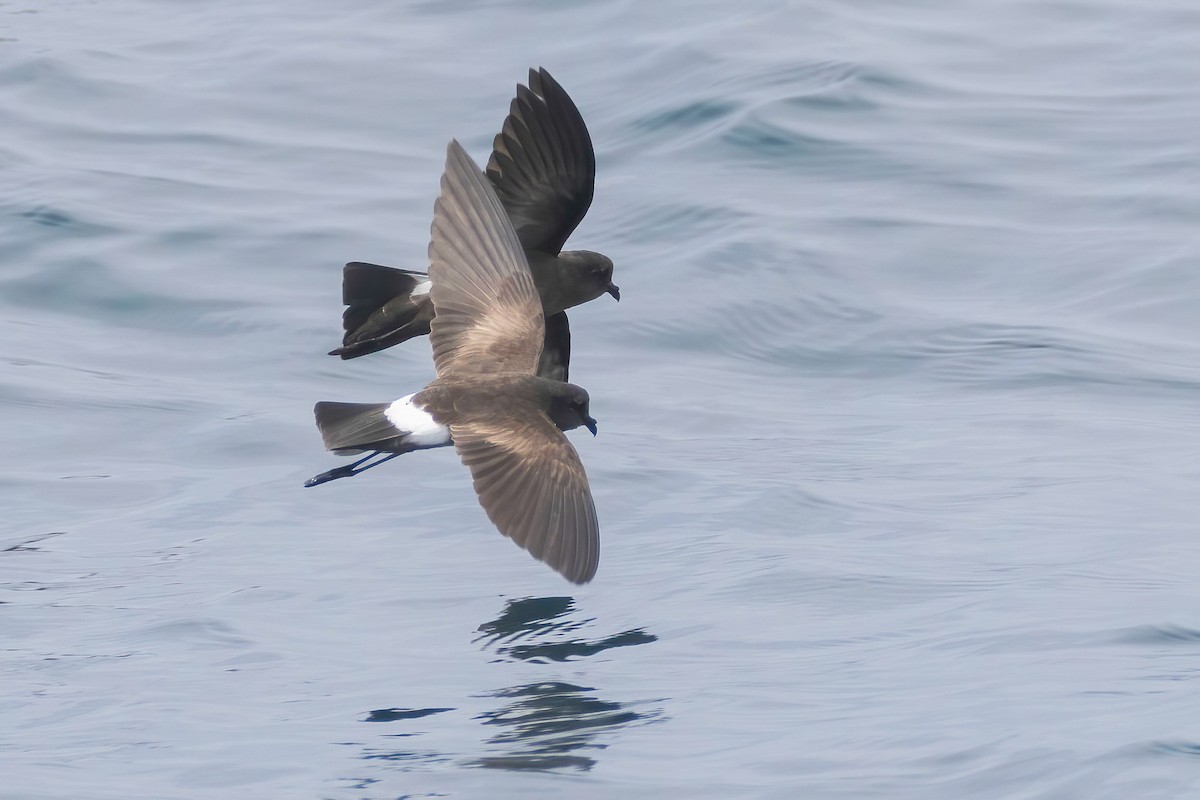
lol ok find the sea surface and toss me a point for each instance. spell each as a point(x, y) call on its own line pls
point(898, 468)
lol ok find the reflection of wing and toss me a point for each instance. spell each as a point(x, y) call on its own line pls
point(543, 165)
point(532, 485)
point(556, 349)
point(488, 315)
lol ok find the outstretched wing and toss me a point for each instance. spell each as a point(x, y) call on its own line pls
point(543, 165)
point(533, 487)
point(488, 315)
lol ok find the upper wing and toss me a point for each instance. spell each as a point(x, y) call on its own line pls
point(543, 165)
point(488, 315)
point(533, 487)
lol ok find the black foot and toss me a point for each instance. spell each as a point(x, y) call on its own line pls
point(331, 475)
point(349, 470)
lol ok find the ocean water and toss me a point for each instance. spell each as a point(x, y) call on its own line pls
point(897, 470)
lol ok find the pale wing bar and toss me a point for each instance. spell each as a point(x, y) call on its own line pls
point(488, 312)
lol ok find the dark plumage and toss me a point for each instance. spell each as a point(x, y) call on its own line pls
point(504, 420)
point(543, 170)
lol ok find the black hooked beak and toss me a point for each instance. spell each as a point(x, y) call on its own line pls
point(590, 424)
point(614, 291)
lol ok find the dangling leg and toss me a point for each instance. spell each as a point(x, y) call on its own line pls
point(349, 470)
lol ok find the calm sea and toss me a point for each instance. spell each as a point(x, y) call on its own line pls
point(899, 457)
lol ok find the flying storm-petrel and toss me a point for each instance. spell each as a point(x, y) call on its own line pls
point(505, 421)
point(543, 169)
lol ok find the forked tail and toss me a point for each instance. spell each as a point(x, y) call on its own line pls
point(384, 306)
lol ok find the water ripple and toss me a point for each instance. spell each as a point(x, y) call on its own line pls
point(1160, 634)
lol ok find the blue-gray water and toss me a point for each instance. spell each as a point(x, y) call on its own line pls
point(900, 412)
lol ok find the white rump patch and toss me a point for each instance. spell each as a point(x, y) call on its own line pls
point(421, 428)
point(421, 288)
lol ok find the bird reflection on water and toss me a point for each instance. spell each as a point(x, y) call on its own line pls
point(547, 621)
point(546, 724)
point(541, 725)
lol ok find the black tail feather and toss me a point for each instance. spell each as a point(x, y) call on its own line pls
point(374, 283)
point(350, 428)
point(380, 308)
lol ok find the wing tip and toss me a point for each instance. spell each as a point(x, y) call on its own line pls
point(583, 577)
